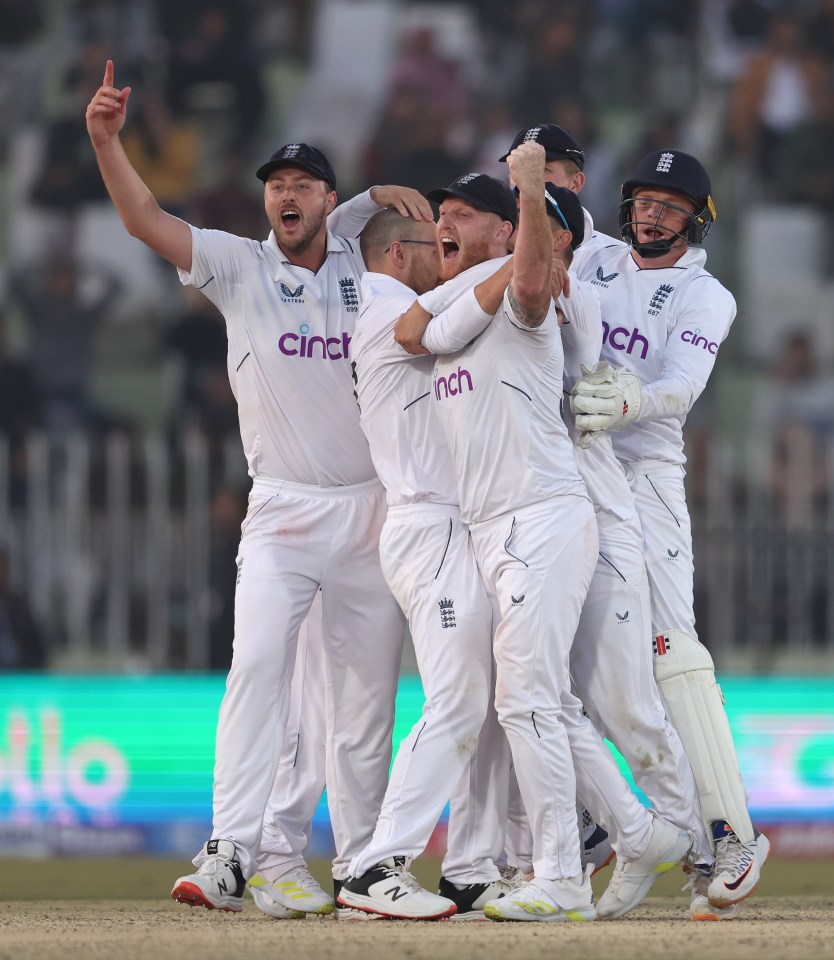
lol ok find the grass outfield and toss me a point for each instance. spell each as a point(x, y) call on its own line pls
point(146, 878)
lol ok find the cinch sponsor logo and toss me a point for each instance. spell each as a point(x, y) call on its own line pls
point(452, 385)
point(316, 348)
point(694, 337)
point(621, 338)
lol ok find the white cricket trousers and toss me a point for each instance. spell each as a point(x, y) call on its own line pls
point(568, 560)
point(537, 563)
point(612, 669)
point(296, 538)
point(660, 499)
point(428, 562)
point(300, 780)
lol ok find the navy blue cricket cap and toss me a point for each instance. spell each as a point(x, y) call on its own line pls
point(301, 155)
point(558, 143)
point(564, 205)
point(482, 192)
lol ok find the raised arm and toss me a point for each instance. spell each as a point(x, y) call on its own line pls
point(530, 292)
point(142, 216)
point(350, 217)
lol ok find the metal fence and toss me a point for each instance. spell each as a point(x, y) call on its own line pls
point(111, 542)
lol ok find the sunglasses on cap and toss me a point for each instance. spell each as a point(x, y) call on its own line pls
point(554, 206)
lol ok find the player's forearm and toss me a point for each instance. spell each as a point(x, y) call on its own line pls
point(452, 329)
point(490, 292)
point(532, 260)
point(670, 397)
point(350, 217)
point(138, 209)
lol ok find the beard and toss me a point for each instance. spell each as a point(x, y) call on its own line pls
point(474, 250)
point(302, 237)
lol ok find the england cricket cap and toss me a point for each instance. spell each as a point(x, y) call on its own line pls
point(558, 143)
point(301, 155)
point(564, 205)
point(482, 192)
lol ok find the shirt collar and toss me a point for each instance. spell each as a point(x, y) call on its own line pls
point(278, 259)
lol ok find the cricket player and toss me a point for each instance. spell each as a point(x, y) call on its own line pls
point(664, 318)
point(565, 167)
point(316, 506)
point(428, 562)
point(535, 538)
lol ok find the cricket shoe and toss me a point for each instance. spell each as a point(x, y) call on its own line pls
point(698, 878)
point(290, 893)
point(471, 898)
point(633, 879)
point(545, 901)
point(342, 913)
point(738, 865)
point(597, 850)
point(390, 890)
point(218, 883)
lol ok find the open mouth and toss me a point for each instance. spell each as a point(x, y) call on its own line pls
point(290, 218)
point(450, 249)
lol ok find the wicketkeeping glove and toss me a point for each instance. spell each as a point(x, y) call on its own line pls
point(604, 399)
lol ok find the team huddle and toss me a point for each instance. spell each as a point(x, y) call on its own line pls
point(470, 427)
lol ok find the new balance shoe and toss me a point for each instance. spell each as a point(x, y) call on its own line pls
point(597, 850)
point(218, 883)
point(545, 901)
point(471, 898)
point(698, 878)
point(738, 866)
point(341, 912)
point(633, 879)
point(390, 890)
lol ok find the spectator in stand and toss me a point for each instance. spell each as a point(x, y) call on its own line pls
point(778, 103)
point(20, 413)
point(68, 176)
point(411, 143)
point(212, 61)
point(63, 306)
point(794, 411)
point(21, 645)
point(198, 339)
point(554, 62)
point(432, 76)
point(165, 151)
point(225, 204)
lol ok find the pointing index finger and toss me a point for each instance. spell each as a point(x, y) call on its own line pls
point(108, 74)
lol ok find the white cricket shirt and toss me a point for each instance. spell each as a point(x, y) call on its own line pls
point(290, 333)
point(666, 326)
point(394, 390)
point(598, 465)
point(592, 243)
point(499, 402)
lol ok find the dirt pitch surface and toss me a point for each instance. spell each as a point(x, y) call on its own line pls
point(74, 917)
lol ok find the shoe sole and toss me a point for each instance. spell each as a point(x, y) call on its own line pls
point(387, 914)
point(582, 915)
point(710, 916)
point(352, 915)
point(191, 894)
point(729, 903)
point(278, 912)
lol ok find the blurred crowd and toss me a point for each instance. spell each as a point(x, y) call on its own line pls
point(747, 85)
